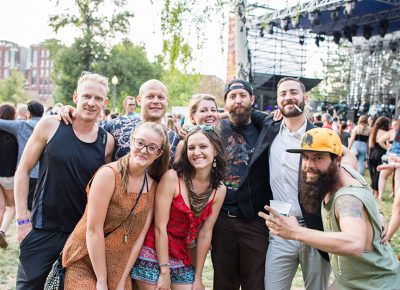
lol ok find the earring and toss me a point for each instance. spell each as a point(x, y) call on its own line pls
point(214, 162)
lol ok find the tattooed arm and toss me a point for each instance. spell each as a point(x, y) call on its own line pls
point(350, 241)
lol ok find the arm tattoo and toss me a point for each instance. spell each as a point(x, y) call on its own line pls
point(349, 206)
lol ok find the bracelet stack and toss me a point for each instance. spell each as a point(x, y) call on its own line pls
point(164, 265)
point(23, 222)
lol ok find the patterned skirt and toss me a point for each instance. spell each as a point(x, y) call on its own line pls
point(146, 268)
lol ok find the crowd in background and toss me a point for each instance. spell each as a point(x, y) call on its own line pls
point(148, 142)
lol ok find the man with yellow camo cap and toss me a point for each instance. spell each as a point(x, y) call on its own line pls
point(352, 228)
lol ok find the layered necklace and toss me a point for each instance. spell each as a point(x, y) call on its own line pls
point(197, 200)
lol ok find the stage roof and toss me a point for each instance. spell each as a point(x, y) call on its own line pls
point(380, 15)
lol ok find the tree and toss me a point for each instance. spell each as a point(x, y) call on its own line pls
point(180, 86)
point(130, 64)
point(96, 28)
point(182, 18)
point(12, 88)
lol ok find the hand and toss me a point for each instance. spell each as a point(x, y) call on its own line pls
point(277, 115)
point(164, 281)
point(198, 285)
point(67, 114)
point(285, 227)
point(101, 285)
point(182, 132)
point(23, 231)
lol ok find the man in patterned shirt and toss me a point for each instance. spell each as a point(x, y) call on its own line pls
point(153, 100)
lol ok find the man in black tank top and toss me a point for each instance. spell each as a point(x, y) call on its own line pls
point(69, 156)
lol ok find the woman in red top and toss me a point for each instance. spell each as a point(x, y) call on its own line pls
point(188, 200)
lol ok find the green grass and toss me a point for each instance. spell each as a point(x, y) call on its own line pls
point(9, 257)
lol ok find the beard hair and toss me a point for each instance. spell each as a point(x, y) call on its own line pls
point(241, 118)
point(312, 193)
point(294, 112)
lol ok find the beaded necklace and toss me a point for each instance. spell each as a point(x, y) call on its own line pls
point(197, 200)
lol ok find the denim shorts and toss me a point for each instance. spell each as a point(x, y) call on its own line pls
point(146, 269)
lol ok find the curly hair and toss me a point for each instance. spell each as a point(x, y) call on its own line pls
point(382, 123)
point(185, 170)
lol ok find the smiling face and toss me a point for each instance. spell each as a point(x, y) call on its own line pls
point(200, 151)
point(143, 143)
point(290, 94)
point(153, 100)
point(90, 99)
point(206, 113)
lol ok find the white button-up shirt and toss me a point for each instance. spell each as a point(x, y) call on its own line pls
point(284, 167)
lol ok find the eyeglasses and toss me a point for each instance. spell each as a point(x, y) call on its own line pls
point(150, 148)
point(200, 127)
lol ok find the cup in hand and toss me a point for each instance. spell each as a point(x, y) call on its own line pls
point(280, 206)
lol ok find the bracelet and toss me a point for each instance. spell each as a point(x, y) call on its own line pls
point(164, 265)
point(23, 222)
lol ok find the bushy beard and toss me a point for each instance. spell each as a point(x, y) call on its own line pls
point(240, 118)
point(312, 193)
point(294, 112)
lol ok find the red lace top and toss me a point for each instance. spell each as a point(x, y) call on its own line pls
point(182, 227)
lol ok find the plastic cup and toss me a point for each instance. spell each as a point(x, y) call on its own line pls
point(283, 208)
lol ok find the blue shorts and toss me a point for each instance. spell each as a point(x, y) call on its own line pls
point(146, 269)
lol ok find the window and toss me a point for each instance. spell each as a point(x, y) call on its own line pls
point(34, 76)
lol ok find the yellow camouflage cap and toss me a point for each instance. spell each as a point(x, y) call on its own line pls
point(320, 140)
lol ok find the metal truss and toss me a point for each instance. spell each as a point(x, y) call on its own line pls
point(305, 7)
point(360, 21)
point(395, 2)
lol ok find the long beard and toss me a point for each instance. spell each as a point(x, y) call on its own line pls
point(312, 193)
point(294, 112)
point(240, 118)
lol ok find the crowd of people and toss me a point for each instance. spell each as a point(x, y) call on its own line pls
point(138, 200)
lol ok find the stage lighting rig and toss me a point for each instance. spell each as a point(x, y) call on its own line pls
point(336, 37)
point(295, 21)
point(383, 27)
point(301, 39)
point(367, 31)
point(349, 7)
point(285, 23)
point(271, 27)
point(335, 14)
point(314, 17)
point(319, 39)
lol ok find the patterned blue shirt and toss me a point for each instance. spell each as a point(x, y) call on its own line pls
point(121, 129)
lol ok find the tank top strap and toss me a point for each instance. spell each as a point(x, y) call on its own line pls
point(215, 193)
point(117, 180)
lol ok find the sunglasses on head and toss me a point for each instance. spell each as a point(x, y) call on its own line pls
point(200, 127)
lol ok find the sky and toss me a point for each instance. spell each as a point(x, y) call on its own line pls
point(25, 22)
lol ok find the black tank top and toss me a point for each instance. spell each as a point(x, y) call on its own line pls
point(66, 166)
point(8, 154)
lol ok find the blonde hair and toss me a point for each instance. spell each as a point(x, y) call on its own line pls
point(158, 167)
point(195, 101)
point(97, 78)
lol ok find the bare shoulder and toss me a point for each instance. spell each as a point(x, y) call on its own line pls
point(46, 127)
point(169, 176)
point(349, 206)
point(221, 192)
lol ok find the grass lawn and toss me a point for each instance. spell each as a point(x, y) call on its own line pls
point(9, 257)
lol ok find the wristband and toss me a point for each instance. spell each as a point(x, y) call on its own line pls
point(164, 265)
point(23, 222)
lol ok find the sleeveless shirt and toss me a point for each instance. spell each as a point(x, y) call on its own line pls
point(117, 217)
point(66, 166)
point(375, 269)
point(182, 227)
